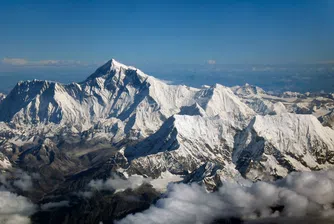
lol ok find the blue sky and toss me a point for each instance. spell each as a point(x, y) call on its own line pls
point(149, 34)
point(188, 32)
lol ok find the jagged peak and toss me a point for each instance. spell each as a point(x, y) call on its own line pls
point(34, 81)
point(247, 85)
point(112, 67)
point(32, 87)
point(116, 65)
point(247, 89)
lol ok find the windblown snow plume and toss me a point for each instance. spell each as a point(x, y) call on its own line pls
point(297, 195)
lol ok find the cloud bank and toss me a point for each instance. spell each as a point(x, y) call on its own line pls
point(299, 195)
point(25, 62)
point(14, 61)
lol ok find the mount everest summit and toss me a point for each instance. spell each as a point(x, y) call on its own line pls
point(123, 121)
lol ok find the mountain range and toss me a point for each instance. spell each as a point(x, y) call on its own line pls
point(121, 121)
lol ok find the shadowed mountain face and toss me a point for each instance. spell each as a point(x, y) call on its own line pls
point(101, 207)
point(108, 146)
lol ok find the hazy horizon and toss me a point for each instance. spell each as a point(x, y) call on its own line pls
point(278, 78)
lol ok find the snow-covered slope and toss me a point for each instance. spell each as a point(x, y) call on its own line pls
point(114, 90)
point(182, 144)
point(277, 145)
point(121, 118)
point(220, 101)
point(257, 99)
point(263, 103)
point(264, 107)
point(42, 101)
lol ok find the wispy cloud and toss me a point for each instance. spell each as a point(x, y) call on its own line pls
point(265, 69)
point(211, 62)
point(114, 183)
point(25, 62)
point(326, 62)
point(14, 61)
point(117, 183)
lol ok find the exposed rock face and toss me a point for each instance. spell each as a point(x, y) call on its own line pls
point(4, 162)
point(328, 119)
point(212, 175)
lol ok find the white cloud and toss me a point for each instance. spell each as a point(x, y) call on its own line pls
point(18, 179)
point(24, 182)
point(48, 62)
point(117, 183)
point(25, 62)
point(262, 68)
point(15, 209)
point(211, 62)
point(301, 194)
point(326, 62)
point(15, 61)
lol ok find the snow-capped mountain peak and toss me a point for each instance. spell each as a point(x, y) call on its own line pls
point(114, 68)
point(247, 90)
